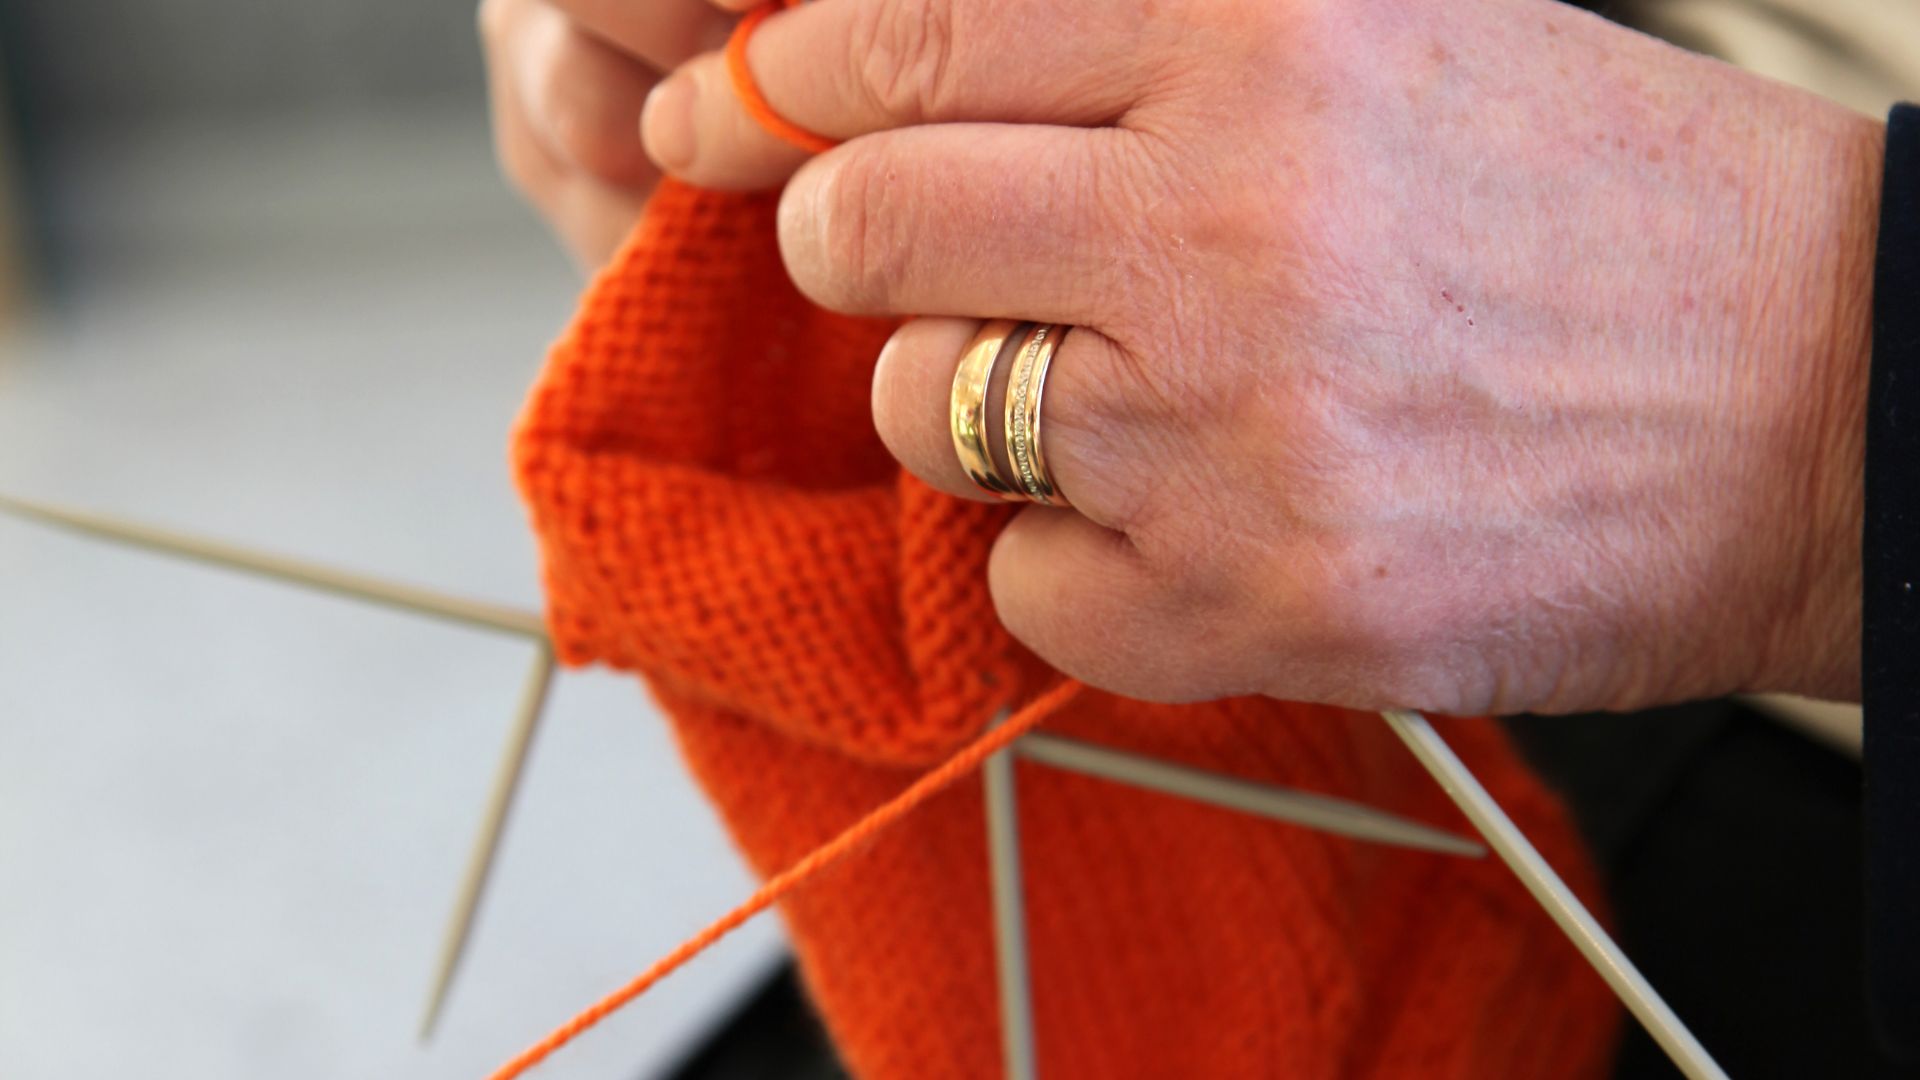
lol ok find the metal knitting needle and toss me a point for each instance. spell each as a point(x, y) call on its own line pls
point(1009, 914)
point(281, 568)
point(1320, 812)
point(486, 845)
point(1552, 894)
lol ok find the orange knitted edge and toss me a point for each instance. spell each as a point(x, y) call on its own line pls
point(888, 814)
point(749, 91)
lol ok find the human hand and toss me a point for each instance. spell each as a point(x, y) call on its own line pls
point(1472, 356)
point(566, 79)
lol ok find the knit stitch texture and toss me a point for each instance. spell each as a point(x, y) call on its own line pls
point(716, 513)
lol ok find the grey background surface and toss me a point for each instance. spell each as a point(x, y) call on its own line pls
point(91, 64)
point(288, 303)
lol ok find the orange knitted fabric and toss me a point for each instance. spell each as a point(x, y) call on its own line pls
point(716, 513)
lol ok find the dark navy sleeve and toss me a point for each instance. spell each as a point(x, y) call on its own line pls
point(1890, 638)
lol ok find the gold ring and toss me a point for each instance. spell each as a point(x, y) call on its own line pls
point(967, 410)
point(1025, 387)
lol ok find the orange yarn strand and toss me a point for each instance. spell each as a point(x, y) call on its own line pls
point(749, 91)
point(822, 857)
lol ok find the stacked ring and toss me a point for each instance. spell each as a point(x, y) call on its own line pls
point(967, 413)
point(1031, 346)
point(1025, 387)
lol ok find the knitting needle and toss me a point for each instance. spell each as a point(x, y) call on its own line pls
point(327, 579)
point(486, 845)
point(406, 598)
point(1009, 913)
point(1552, 894)
point(1281, 804)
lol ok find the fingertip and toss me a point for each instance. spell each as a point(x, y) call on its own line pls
point(667, 127)
point(696, 129)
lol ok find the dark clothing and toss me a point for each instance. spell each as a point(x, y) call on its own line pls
point(1731, 850)
point(1890, 564)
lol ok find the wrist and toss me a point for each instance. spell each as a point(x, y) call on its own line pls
point(1824, 302)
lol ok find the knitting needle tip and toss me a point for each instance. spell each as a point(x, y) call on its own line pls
point(431, 1018)
point(486, 845)
point(1553, 895)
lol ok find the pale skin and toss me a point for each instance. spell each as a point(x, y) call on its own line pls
point(1471, 357)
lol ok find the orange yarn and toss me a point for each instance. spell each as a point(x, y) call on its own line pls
point(798, 874)
point(716, 512)
point(748, 91)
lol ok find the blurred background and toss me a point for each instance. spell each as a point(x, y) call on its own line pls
point(259, 280)
point(262, 282)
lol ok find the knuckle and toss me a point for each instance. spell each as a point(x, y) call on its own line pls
point(859, 234)
point(1201, 220)
point(1195, 586)
point(1092, 433)
point(1131, 259)
point(493, 18)
point(591, 131)
point(1202, 611)
point(1164, 243)
point(591, 121)
point(904, 55)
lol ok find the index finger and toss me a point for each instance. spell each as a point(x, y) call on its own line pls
point(664, 33)
point(845, 68)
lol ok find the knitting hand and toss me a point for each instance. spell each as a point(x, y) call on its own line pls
point(1470, 356)
point(567, 79)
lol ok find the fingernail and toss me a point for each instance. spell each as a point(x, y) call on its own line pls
point(666, 122)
